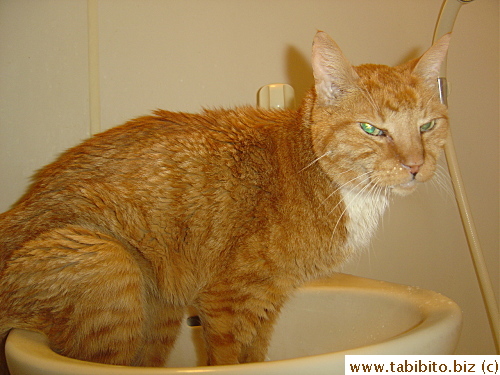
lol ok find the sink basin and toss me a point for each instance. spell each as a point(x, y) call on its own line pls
point(322, 322)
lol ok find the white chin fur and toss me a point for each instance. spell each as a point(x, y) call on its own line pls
point(364, 210)
point(406, 188)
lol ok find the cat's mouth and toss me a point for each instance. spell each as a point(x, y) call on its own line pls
point(405, 188)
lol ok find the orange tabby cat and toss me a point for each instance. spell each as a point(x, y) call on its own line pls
point(228, 211)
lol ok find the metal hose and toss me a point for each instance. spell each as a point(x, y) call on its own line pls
point(446, 20)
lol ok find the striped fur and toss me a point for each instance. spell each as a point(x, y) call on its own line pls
point(227, 210)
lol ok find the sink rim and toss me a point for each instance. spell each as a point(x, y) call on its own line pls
point(442, 315)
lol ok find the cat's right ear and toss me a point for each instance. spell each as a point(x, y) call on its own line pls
point(333, 74)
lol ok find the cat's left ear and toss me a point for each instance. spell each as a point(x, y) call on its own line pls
point(429, 65)
point(333, 74)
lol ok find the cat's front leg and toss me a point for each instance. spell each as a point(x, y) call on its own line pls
point(221, 342)
point(237, 323)
point(256, 351)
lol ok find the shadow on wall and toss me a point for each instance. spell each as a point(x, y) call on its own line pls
point(300, 75)
point(299, 72)
point(412, 54)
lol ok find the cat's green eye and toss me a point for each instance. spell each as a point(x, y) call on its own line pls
point(370, 129)
point(428, 126)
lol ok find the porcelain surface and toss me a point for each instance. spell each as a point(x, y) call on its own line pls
point(321, 323)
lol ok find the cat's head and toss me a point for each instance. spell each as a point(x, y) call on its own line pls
point(374, 125)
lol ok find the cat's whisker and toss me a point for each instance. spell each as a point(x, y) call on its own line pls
point(374, 189)
point(341, 186)
point(382, 191)
point(347, 205)
point(441, 181)
point(427, 105)
point(370, 99)
point(315, 161)
point(344, 211)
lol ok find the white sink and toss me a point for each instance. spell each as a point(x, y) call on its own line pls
point(322, 323)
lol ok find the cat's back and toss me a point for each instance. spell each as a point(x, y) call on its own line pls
point(168, 162)
point(165, 141)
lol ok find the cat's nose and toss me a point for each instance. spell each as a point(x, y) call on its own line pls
point(413, 168)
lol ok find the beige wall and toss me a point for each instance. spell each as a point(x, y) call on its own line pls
point(182, 55)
